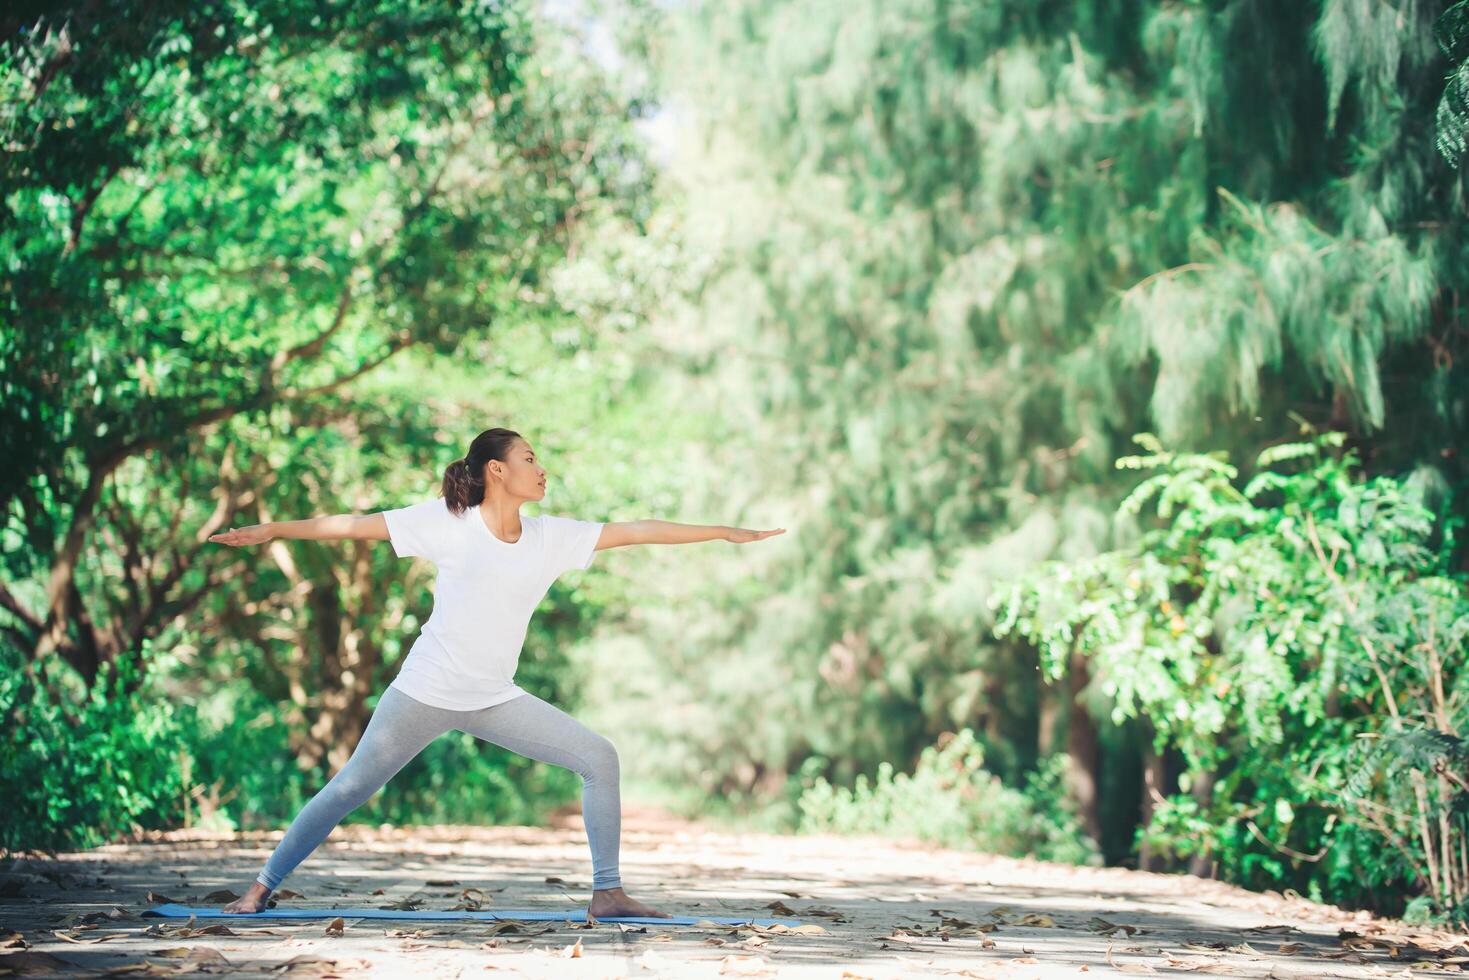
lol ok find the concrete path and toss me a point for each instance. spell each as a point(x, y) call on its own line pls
point(882, 908)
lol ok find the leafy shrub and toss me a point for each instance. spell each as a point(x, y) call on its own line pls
point(951, 800)
point(246, 776)
point(84, 769)
point(1301, 642)
point(77, 775)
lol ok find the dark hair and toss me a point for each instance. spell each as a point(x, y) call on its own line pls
point(464, 480)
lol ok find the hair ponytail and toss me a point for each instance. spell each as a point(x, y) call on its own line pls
point(464, 480)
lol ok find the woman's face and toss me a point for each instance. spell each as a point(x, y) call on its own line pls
point(521, 473)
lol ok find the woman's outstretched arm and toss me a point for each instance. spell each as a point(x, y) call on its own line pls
point(371, 527)
point(619, 533)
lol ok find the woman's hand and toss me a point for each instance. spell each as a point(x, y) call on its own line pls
point(740, 535)
point(252, 534)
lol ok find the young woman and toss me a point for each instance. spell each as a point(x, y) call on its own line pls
point(494, 567)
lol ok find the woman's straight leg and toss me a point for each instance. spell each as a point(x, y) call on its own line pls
point(539, 730)
point(398, 730)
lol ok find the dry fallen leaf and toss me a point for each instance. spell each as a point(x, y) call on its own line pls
point(745, 966)
point(571, 952)
point(175, 952)
point(35, 964)
point(1186, 963)
point(1099, 924)
point(508, 925)
point(218, 930)
point(310, 966)
point(471, 900)
point(178, 960)
point(780, 929)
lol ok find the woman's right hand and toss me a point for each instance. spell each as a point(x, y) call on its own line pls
point(251, 534)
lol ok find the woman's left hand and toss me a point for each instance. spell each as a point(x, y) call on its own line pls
point(740, 535)
point(250, 534)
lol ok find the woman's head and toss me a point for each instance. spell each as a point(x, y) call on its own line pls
point(499, 461)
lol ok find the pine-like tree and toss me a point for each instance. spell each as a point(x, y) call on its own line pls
point(959, 252)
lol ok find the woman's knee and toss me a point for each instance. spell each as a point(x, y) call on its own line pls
point(351, 787)
point(600, 756)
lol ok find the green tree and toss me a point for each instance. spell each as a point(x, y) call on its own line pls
point(269, 261)
point(226, 211)
point(953, 256)
point(1301, 640)
point(1452, 31)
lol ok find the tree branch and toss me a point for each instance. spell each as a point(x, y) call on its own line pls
point(11, 603)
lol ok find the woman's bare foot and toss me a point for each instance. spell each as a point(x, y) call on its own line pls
point(614, 902)
point(251, 902)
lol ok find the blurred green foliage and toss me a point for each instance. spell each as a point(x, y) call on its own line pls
point(940, 263)
point(1296, 639)
point(909, 279)
point(950, 800)
point(268, 261)
point(77, 775)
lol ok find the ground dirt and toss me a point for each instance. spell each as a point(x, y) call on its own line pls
point(881, 909)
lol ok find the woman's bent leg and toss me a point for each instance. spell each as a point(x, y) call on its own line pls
point(398, 730)
point(539, 730)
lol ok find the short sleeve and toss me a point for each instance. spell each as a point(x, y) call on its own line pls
point(418, 531)
point(570, 543)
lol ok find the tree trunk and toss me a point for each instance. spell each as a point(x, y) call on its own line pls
point(1155, 787)
point(1083, 756)
point(1202, 864)
point(1049, 698)
point(348, 665)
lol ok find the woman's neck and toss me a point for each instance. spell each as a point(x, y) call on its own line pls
point(502, 516)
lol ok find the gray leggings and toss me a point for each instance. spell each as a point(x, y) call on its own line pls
point(400, 728)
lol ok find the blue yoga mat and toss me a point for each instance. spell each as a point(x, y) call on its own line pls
point(175, 911)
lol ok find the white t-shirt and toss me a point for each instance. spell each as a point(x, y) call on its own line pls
point(466, 653)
